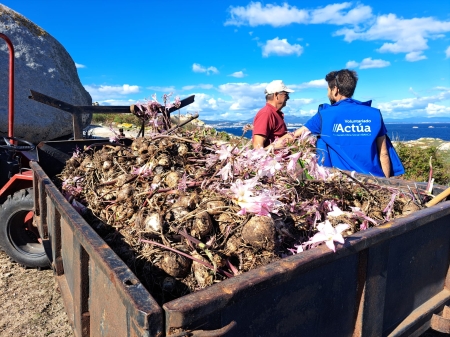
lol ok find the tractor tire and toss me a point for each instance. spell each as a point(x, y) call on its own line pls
point(18, 238)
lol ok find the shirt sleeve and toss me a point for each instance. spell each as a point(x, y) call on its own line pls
point(314, 124)
point(261, 124)
point(383, 130)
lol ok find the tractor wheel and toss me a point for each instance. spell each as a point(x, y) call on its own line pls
point(18, 237)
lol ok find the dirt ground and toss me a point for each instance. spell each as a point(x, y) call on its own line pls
point(30, 304)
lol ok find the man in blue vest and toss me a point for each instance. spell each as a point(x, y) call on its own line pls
point(351, 135)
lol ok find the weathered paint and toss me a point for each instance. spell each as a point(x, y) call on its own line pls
point(386, 281)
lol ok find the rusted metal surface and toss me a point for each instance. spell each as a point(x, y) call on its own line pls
point(386, 281)
point(95, 283)
point(441, 323)
point(316, 293)
point(17, 182)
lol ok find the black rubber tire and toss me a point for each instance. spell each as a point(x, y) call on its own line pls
point(16, 240)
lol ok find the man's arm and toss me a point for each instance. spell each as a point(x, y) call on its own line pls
point(384, 156)
point(290, 136)
point(258, 141)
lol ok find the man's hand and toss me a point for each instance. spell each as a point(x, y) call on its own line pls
point(288, 137)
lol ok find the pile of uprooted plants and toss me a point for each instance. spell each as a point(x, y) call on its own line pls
point(185, 211)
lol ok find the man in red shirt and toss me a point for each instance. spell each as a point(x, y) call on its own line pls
point(269, 124)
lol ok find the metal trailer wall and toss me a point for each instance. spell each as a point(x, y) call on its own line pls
point(385, 281)
point(101, 295)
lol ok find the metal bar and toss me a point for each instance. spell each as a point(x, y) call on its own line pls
point(77, 124)
point(422, 314)
point(81, 290)
point(11, 86)
point(56, 103)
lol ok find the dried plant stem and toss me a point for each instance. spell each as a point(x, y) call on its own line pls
point(360, 184)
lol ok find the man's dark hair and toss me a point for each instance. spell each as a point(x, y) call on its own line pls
point(345, 80)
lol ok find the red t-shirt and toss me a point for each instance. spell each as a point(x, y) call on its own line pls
point(269, 123)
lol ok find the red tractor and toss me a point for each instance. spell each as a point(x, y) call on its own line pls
point(19, 238)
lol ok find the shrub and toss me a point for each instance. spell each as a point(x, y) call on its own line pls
point(117, 118)
point(416, 161)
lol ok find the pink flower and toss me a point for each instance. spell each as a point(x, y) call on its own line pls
point(336, 211)
point(262, 204)
point(293, 161)
point(177, 101)
point(328, 234)
point(364, 225)
point(226, 172)
point(224, 152)
point(242, 190)
point(269, 166)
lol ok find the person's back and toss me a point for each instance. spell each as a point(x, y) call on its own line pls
point(347, 139)
point(351, 134)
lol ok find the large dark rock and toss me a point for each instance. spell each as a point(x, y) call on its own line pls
point(41, 64)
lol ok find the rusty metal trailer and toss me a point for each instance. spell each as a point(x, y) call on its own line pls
point(392, 280)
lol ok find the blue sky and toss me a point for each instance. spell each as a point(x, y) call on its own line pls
point(225, 52)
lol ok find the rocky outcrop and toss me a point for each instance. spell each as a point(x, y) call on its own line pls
point(41, 64)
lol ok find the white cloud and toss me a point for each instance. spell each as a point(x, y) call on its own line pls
point(255, 14)
point(399, 35)
point(207, 106)
point(274, 15)
point(334, 14)
point(435, 110)
point(368, 63)
point(101, 92)
point(213, 103)
point(447, 52)
point(408, 36)
point(244, 96)
point(311, 84)
point(238, 74)
point(165, 90)
point(351, 65)
point(198, 86)
point(122, 102)
point(281, 48)
point(415, 56)
point(418, 106)
point(294, 106)
point(197, 68)
point(78, 65)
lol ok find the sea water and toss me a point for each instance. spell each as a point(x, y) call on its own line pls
point(401, 132)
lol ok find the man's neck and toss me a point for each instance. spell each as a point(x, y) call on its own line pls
point(273, 104)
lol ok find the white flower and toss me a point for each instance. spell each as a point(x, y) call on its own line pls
point(328, 234)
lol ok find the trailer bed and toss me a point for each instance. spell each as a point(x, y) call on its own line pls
point(392, 280)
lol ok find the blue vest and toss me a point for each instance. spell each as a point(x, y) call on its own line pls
point(348, 138)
